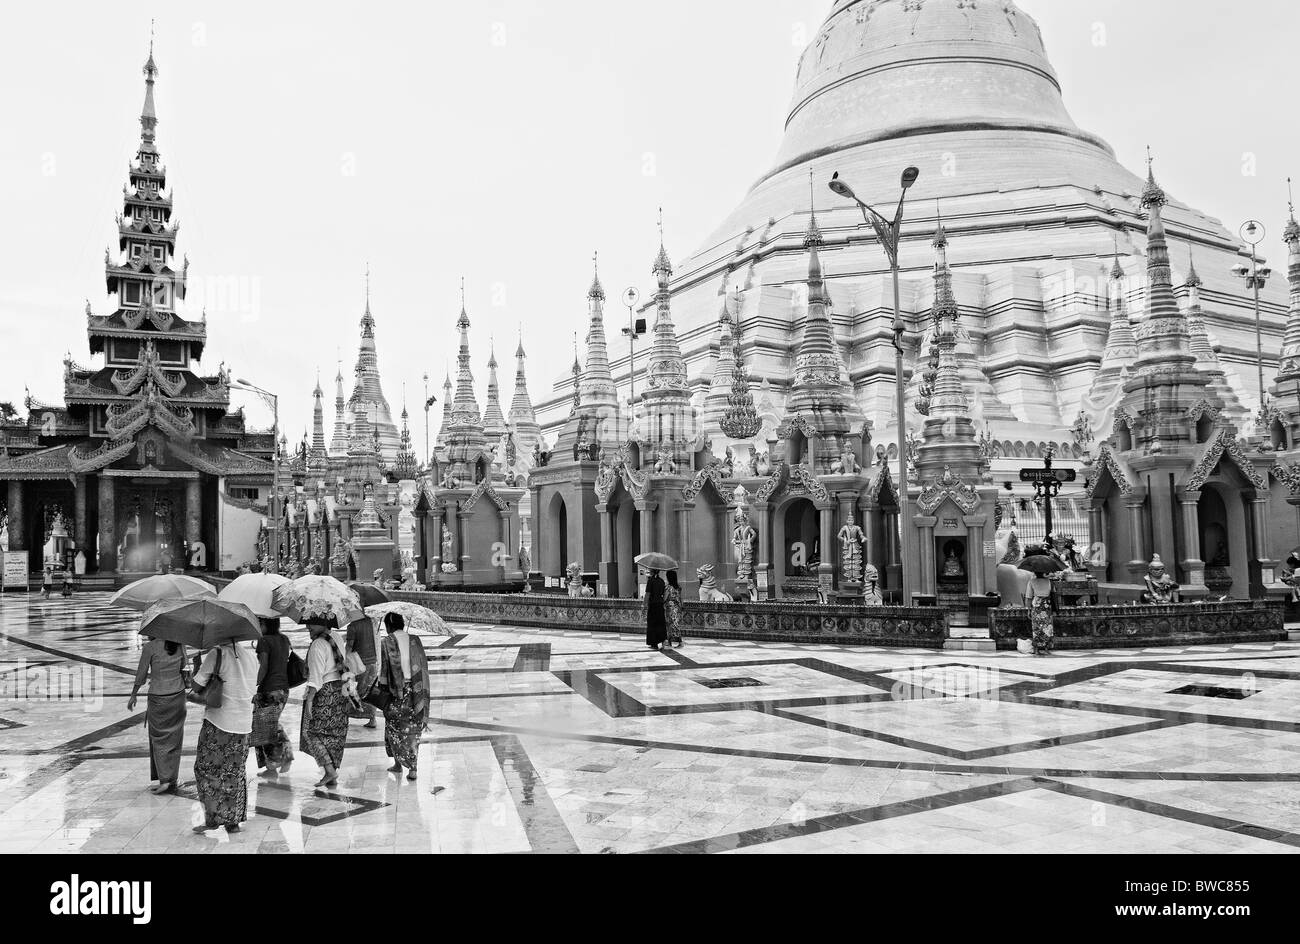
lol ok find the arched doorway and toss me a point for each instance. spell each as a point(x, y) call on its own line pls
point(554, 538)
point(1223, 524)
point(798, 549)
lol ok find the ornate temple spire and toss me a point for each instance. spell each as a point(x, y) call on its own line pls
point(1121, 345)
point(740, 420)
point(715, 403)
point(1289, 365)
point(407, 465)
point(318, 420)
point(465, 405)
point(947, 396)
point(1165, 343)
point(368, 389)
point(445, 427)
point(596, 385)
point(1199, 337)
point(339, 440)
point(522, 417)
point(148, 114)
point(666, 369)
point(494, 421)
point(362, 465)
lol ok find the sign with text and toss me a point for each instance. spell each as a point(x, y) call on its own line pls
point(1048, 475)
point(15, 570)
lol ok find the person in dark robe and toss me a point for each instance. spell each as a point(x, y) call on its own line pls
point(656, 624)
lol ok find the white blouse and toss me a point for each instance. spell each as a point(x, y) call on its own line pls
point(239, 683)
point(321, 668)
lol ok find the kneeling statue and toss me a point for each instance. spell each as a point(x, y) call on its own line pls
point(1161, 588)
point(871, 595)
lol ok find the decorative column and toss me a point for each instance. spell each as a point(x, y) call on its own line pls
point(826, 567)
point(686, 572)
point(1263, 568)
point(17, 518)
point(462, 552)
point(870, 546)
point(79, 513)
point(1097, 538)
point(193, 498)
point(1193, 566)
point(1137, 564)
point(435, 559)
point(761, 518)
point(975, 554)
point(107, 531)
point(607, 585)
point(508, 550)
point(929, 583)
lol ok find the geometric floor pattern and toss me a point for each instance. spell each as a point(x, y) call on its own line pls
point(563, 742)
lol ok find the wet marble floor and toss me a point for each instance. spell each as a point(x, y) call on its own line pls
point(551, 741)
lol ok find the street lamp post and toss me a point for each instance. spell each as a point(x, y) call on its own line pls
point(889, 233)
point(630, 297)
point(274, 400)
point(1252, 232)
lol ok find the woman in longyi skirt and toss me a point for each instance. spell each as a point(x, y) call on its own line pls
point(324, 706)
point(162, 664)
point(404, 672)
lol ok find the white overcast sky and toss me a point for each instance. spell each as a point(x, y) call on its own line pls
point(502, 140)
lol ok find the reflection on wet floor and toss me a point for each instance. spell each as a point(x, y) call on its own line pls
point(583, 741)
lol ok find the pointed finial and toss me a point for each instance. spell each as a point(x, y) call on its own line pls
point(597, 290)
point(1291, 235)
point(813, 237)
point(1116, 271)
point(367, 285)
point(1152, 195)
point(462, 294)
point(663, 266)
point(940, 235)
point(1193, 280)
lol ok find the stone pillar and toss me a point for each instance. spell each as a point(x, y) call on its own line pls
point(435, 558)
point(975, 554)
point(193, 511)
point(1263, 569)
point(107, 529)
point(870, 547)
point(686, 571)
point(929, 582)
point(826, 567)
point(1096, 538)
point(508, 549)
point(1138, 562)
point(17, 519)
point(462, 552)
point(608, 579)
point(79, 514)
point(761, 518)
point(1193, 566)
point(647, 511)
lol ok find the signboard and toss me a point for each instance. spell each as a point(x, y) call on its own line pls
point(15, 570)
point(1048, 475)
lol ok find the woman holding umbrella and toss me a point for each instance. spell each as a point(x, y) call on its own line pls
point(224, 685)
point(653, 603)
point(1038, 597)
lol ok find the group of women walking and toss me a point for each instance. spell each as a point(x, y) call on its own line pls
point(253, 686)
point(662, 606)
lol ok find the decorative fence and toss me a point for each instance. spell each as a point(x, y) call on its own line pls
point(1093, 627)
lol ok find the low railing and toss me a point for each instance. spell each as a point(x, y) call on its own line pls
point(1088, 627)
point(791, 622)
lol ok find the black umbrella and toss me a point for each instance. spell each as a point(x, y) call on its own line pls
point(369, 594)
point(200, 624)
point(1041, 564)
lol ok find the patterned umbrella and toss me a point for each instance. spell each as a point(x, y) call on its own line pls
point(200, 624)
point(316, 597)
point(655, 561)
point(419, 619)
point(255, 591)
point(145, 593)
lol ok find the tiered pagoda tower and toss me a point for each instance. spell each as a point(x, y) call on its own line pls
point(145, 450)
point(368, 390)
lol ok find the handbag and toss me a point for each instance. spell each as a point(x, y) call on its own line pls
point(379, 696)
point(295, 670)
point(210, 695)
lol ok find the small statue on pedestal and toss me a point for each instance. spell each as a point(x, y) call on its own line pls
point(742, 537)
point(871, 595)
point(448, 551)
point(851, 540)
point(1161, 588)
